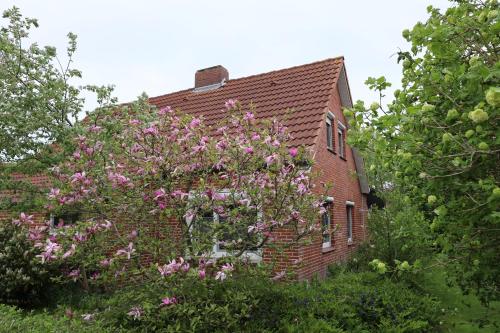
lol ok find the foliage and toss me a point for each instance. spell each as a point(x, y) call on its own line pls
point(439, 138)
point(39, 106)
point(360, 302)
point(13, 319)
point(24, 280)
point(140, 175)
point(399, 241)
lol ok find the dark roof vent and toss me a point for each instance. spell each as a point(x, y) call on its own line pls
point(210, 78)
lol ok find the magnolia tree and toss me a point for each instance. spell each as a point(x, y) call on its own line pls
point(158, 186)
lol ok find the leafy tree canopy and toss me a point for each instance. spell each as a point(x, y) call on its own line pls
point(439, 138)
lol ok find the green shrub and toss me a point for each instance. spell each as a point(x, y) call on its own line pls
point(23, 278)
point(359, 302)
point(13, 319)
point(400, 238)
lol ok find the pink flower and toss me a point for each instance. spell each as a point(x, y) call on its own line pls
point(128, 251)
point(95, 129)
point(279, 276)
point(270, 159)
point(23, 219)
point(74, 274)
point(293, 151)
point(77, 155)
point(134, 122)
point(224, 272)
point(194, 123)
point(255, 137)
point(249, 116)
point(106, 262)
point(249, 150)
point(168, 301)
point(135, 312)
point(230, 104)
point(70, 252)
point(202, 274)
point(165, 110)
point(152, 130)
point(54, 192)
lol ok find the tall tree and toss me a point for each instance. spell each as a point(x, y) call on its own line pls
point(440, 139)
point(38, 104)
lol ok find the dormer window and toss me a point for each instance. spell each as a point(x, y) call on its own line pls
point(341, 139)
point(330, 137)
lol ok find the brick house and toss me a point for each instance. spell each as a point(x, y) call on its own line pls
point(316, 92)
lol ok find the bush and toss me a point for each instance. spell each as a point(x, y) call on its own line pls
point(23, 278)
point(398, 233)
point(359, 302)
point(13, 319)
point(245, 303)
point(348, 302)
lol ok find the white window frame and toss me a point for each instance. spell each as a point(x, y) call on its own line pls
point(349, 220)
point(330, 132)
point(341, 129)
point(251, 256)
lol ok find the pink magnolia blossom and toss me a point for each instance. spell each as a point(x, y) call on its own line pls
point(202, 274)
point(70, 252)
point(168, 301)
point(194, 123)
point(249, 150)
point(270, 159)
point(152, 130)
point(293, 151)
point(135, 312)
point(279, 276)
point(23, 219)
point(50, 251)
point(127, 252)
point(255, 136)
point(54, 193)
point(164, 110)
point(106, 262)
point(95, 129)
point(224, 272)
point(230, 104)
point(74, 274)
point(249, 116)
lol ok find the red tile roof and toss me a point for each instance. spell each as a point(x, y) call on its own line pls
point(306, 89)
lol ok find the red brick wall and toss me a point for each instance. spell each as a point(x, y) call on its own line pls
point(341, 174)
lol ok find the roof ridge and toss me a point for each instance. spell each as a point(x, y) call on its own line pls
point(257, 75)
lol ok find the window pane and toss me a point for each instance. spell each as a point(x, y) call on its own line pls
point(349, 221)
point(329, 135)
point(325, 219)
point(236, 237)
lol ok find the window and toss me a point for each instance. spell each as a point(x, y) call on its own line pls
point(330, 138)
point(341, 139)
point(350, 211)
point(326, 222)
point(227, 238)
point(237, 238)
point(62, 219)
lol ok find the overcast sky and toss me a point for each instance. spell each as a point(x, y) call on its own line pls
point(156, 46)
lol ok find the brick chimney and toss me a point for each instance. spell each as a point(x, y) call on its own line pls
point(210, 76)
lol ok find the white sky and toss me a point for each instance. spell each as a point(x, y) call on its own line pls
point(156, 46)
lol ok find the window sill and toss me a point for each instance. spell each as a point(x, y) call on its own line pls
point(327, 249)
point(343, 158)
point(331, 150)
